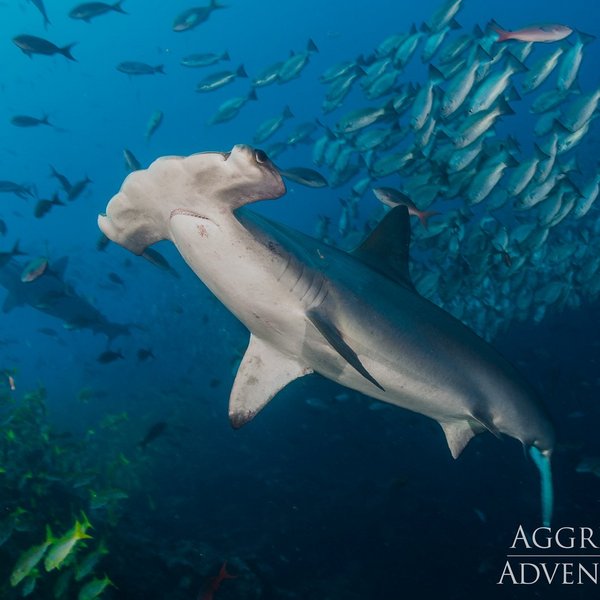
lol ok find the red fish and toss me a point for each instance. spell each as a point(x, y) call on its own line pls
point(535, 33)
point(392, 197)
point(215, 582)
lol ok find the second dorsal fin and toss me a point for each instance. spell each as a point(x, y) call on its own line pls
point(386, 249)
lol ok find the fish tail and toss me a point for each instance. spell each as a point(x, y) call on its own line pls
point(66, 52)
point(214, 4)
point(503, 34)
point(424, 216)
point(159, 69)
point(118, 8)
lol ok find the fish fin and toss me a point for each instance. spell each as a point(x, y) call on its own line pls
point(503, 34)
point(335, 339)
point(458, 435)
point(486, 424)
point(59, 267)
point(386, 249)
point(263, 372)
point(585, 38)
point(118, 8)
point(66, 52)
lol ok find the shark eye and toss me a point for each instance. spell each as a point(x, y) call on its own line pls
point(260, 156)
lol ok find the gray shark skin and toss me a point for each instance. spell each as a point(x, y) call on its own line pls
point(51, 295)
point(355, 318)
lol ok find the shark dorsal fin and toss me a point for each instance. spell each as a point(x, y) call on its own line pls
point(263, 372)
point(59, 267)
point(386, 249)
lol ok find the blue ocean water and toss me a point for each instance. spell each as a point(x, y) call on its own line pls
point(325, 495)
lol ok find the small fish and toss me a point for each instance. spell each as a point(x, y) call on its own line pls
point(11, 383)
point(27, 121)
point(130, 67)
point(392, 197)
point(94, 588)
point(30, 559)
point(293, 66)
point(115, 278)
point(64, 182)
point(39, 4)
point(192, 17)
point(218, 80)
point(153, 124)
point(78, 188)
point(270, 126)
point(88, 10)
point(102, 242)
point(34, 269)
point(109, 356)
point(155, 431)
point(363, 117)
point(48, 331)
point(62, 547)
point(535, 33)
point(144, 354)
point(88, 563)
point(268, 75)
point(30, 45)
point(215, 582)
point(158, 260)
point(230, 108)
point(131, 162)
point(304, 176)
point(194, 61)
point(106, 498)
point(10, 187)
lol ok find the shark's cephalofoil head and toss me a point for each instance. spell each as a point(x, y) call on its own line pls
point(205, 184)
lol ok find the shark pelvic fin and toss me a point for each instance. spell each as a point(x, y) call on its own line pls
point(458, 435)
point(386, 249)
point(335, 339)
point(263, 372)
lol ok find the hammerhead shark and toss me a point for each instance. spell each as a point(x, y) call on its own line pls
point(50, 294)
point(355, 317)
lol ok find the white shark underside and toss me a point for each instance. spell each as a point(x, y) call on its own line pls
point(355, 318)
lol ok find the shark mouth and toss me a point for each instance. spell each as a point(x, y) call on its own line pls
point(187, 212)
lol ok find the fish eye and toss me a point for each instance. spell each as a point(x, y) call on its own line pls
point(260, 156)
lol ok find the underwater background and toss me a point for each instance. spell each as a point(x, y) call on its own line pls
point(326, 494)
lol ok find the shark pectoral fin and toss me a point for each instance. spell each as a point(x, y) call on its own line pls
point(458, 435)
point(334, 337)
point(486, 424)
point(263, 372)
